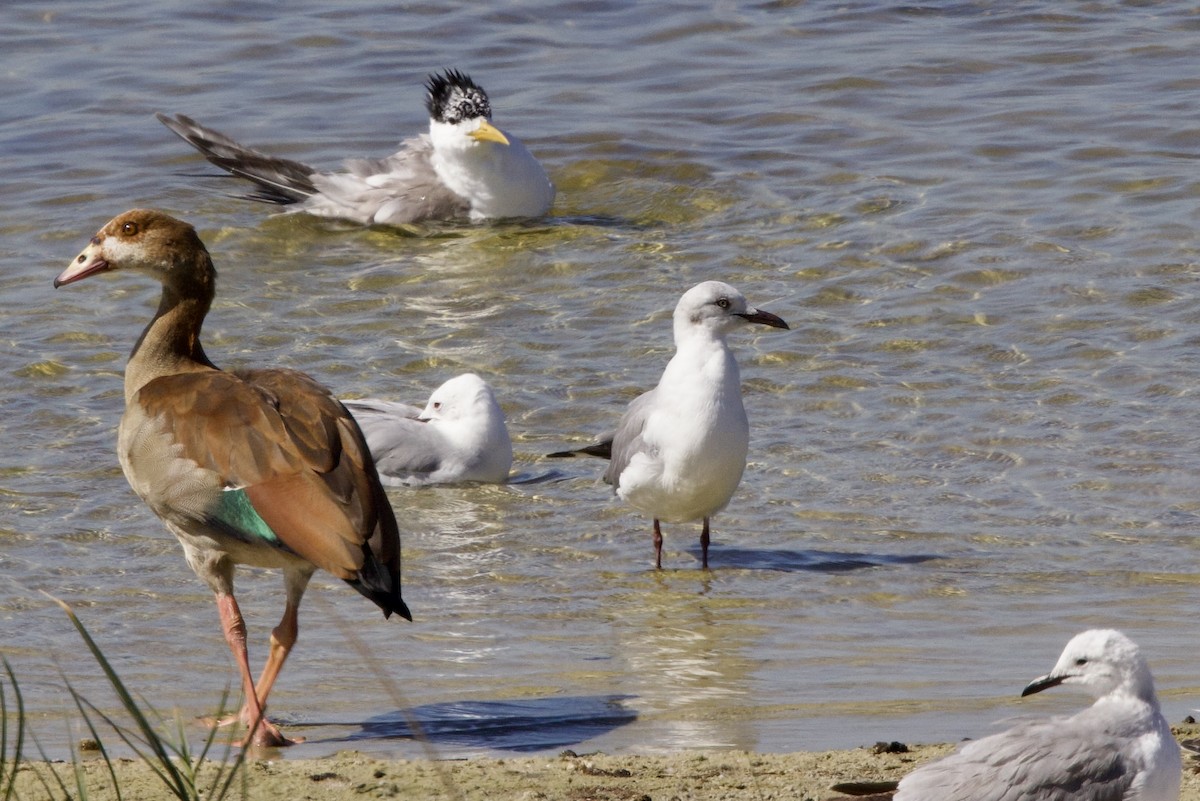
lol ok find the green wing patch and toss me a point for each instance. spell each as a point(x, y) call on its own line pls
point(234, 511)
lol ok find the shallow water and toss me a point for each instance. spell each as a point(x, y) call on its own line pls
point(978, 439)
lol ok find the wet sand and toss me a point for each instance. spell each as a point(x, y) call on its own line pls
point(687, 776)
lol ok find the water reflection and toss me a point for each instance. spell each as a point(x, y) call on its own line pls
point(684, 650)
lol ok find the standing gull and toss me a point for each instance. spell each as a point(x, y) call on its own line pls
point(679, 451)
point(1118, 749)
point(459, 436)
point(253, 467)
point(465, 167)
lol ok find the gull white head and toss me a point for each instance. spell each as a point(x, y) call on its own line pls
point(717, 308)
point(465, 413)
point(462, 397)
point(1102, 661)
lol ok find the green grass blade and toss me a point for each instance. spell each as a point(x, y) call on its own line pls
point(87, 719)
point(81, 785)
point(10, 782)
point(7, 778)
point(226, 769)
point(46, 759)
point(164, 769)
point(174, 763)
point(178, 783)
point(19, 749)
point(108, 763)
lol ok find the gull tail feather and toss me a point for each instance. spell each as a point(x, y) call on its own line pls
point(602, 449)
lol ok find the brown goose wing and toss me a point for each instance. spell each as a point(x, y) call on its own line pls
point(299, 457)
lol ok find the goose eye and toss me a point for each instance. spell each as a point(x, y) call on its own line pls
point(129, 229)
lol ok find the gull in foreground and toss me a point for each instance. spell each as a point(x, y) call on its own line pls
point(679, 451)
point(465, 167)
point(459, 436)
point(1118, 749)
point(252, 467)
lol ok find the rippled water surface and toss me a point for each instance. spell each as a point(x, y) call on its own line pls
point(981, 436)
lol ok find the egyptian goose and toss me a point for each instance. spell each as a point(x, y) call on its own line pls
point(465, 167)
point(679, 451)
point(459, 436)
point(253, 467)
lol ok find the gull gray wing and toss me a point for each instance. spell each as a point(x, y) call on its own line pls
point(371, 411)
point(402, 446)
point(1059, 758)
point(627, 439)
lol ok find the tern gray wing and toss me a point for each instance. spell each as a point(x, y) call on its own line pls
point(402, 188)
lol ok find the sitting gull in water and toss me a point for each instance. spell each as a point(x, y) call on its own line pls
point(679, 451)
point(463, 168)
point(458, 436)
point(1118, 749)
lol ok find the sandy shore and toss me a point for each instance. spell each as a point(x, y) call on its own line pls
point(688, 776)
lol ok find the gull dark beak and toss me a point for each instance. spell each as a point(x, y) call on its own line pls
point(764, 318)
point(1043, 683)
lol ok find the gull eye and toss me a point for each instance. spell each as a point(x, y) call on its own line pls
point(723, 303)
point(129, 229)
point(437, 404)
point(1081, 661)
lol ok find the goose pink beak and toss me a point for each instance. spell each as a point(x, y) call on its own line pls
point(89, 262)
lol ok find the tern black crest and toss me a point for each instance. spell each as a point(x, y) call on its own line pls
point(454, 97)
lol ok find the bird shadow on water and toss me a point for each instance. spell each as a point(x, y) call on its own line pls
point(789, 561)
point(521, 725)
